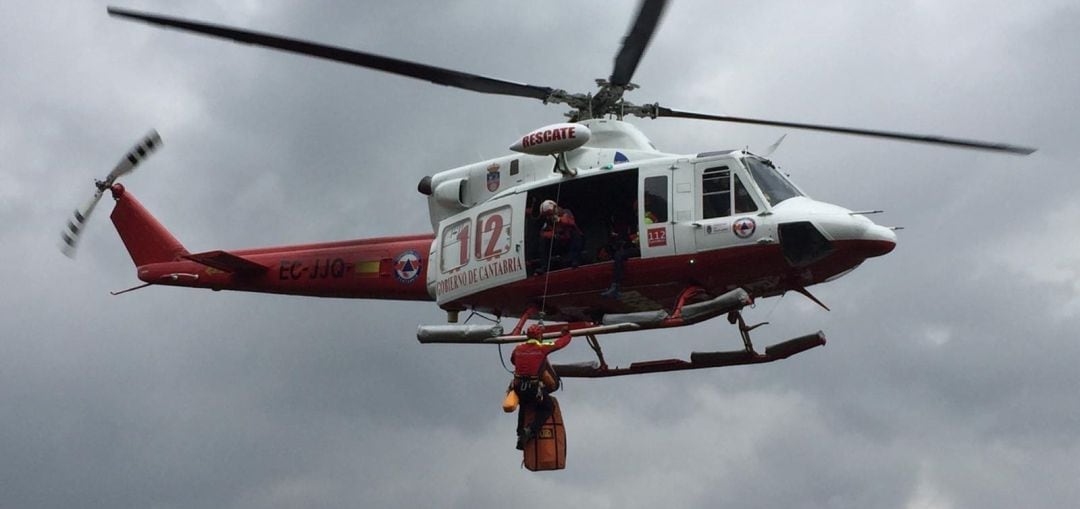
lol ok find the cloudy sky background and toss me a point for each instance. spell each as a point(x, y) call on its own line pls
point(949, 381)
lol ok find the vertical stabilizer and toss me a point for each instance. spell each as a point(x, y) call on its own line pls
point(145, 238)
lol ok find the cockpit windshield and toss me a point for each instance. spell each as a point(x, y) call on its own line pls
point(773, 185)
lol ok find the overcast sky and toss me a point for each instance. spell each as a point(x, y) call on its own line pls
point(949, 381)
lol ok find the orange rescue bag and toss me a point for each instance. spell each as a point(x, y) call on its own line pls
point(546, 451)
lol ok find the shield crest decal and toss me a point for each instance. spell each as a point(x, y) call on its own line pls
point(493, 178)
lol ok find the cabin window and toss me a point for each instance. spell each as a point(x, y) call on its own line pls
point(493, 233)
point(455, 245)
point(743, 201)
point(716, 192)
point(656, 199)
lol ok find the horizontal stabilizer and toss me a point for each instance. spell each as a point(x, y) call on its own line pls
point(227, 262)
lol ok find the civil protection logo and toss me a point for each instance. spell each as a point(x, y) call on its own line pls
point(407, 266)
point(744, 227)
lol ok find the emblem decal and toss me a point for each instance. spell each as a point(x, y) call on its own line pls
point(407, 266)
point(493, 177)
point(621, 157)
point(744, 227)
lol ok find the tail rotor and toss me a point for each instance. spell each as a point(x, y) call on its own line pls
point(71, 234)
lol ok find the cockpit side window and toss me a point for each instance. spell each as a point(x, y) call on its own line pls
point(743, 201)
point(716, 192)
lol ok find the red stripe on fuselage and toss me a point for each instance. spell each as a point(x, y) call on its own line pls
point(656, 283)
point(344, 269)
point(329, 269)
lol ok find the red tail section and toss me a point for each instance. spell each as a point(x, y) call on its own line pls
point(145, 238)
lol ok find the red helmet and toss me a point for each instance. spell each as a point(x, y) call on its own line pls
point(535, 331)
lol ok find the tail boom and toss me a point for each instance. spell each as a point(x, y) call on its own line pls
point(377, 268)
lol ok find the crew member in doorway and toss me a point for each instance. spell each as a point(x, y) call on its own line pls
point(534, 379)
point(624, 243)
point(560, 236)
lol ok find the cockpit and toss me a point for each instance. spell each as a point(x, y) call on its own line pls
point(774, 187)
point(726, 190)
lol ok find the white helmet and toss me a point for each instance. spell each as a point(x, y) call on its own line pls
point(547, 207)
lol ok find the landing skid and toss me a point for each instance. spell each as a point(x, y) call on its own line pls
point(690, 309)
point(698, 360)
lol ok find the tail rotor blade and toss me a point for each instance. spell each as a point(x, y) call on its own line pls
point(136, 155)
point(69, 237)
point(71, 234)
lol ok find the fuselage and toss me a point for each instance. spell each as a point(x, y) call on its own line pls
point(714, 221)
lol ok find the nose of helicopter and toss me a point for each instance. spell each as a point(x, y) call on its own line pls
point(850, 232)
point(858, 234)
point(877, 240)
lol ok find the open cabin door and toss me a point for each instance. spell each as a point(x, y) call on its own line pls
point(478, 249)
point(654, 213)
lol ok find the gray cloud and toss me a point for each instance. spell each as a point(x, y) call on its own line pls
point(947, 381)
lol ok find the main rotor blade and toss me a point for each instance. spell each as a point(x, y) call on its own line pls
point(920, 138)
point(636, 40)
point(430, 73)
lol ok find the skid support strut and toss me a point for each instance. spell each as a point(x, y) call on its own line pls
point(595, 345)
point(735, 318)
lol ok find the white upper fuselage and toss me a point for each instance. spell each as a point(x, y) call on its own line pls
point(484, 213)
point(466, 186)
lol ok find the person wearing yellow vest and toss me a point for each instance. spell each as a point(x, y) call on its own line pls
point(534, 379)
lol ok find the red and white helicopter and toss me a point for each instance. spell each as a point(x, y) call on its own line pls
point(717, 229)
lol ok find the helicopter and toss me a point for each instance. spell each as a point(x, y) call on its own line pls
point(712, 232)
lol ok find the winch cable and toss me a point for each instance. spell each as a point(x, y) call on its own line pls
point(502, 361)
point(473, 313)
point(551, 249)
